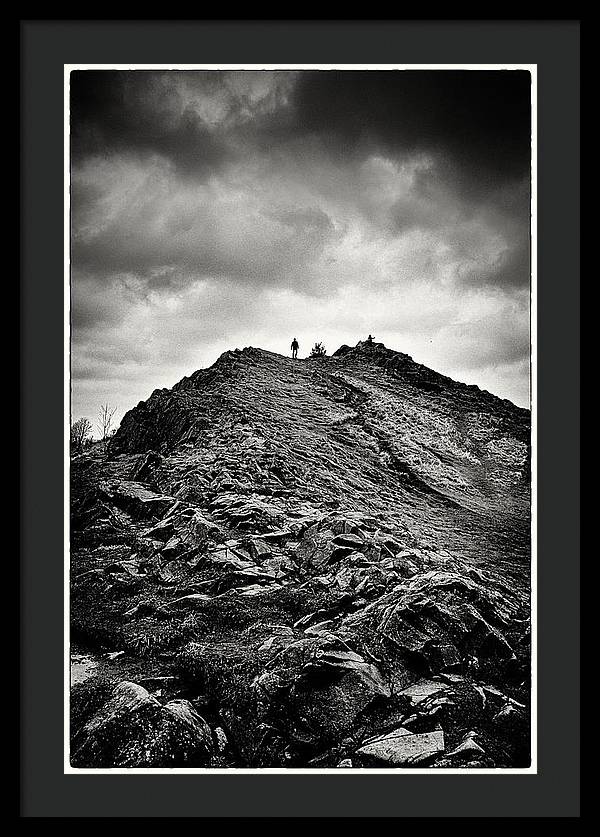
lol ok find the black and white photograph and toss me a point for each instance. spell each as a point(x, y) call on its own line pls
point(301, 347)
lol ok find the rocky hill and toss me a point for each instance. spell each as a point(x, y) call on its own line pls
point(311, 563)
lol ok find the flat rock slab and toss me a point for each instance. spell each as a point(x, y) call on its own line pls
point(350, 661)
point(423, 689)
point(277, 535)
point(185, 602)
point(137, 500)
point(349, 540)
point(402, 747)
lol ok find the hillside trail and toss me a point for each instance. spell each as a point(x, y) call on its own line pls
point(307, 552)
point(341, 434)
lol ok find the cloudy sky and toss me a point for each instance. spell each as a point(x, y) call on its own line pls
point(215, 210)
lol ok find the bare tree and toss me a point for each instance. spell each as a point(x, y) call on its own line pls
point(81, 431)
point(105, 421)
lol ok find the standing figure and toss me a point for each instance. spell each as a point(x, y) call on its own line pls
point(369, 340)
point(295, 346)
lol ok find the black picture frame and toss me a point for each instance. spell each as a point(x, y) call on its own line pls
point(45, 47)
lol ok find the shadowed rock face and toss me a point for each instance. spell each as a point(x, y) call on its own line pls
point(294, 545)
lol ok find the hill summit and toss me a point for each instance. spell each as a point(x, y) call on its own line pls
point(313, 562)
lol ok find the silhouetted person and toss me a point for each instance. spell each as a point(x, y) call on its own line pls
point(295, 346)
point(369, 340)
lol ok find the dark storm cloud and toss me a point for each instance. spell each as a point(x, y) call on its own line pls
point(212, 209)
point(139, 112)
point(479, 119)
point(148, 112)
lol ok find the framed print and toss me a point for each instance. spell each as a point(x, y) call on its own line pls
point(300, 317)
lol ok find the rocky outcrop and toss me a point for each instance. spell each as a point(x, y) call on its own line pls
point(444, 619)
point(328, 561)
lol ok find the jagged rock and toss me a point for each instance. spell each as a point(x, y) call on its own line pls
point(510, 717)
point(281, 566)
point(318, 616)
point(315, 548)
point(141, 609)
point(259, 549)
point(345, 525)
point(402, 748)
point(424, 689)
point(340, 552)
point(277, 536)
point(133, 729)
point(239, 579)
point(439, 615)
point(320, 628)
point(333, 538)
point(328, 711)
point(325, 691)
point(174, 546)
point(352, 541)
point(188, 525)
point(467, 749)
point(346, 579)
point(245, 513)
point(343, 350)
point(237, 547)
point(145, 466)
point(350, 661)
point(392, 546)
point(226, 557)
point(137, 500)
point(401, 563)
point(275, 643)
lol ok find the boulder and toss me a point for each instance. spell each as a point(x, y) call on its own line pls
point(332, 690)
point(133, 729)
point(351, 662)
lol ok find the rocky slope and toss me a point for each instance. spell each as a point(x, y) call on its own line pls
point(316, 563)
